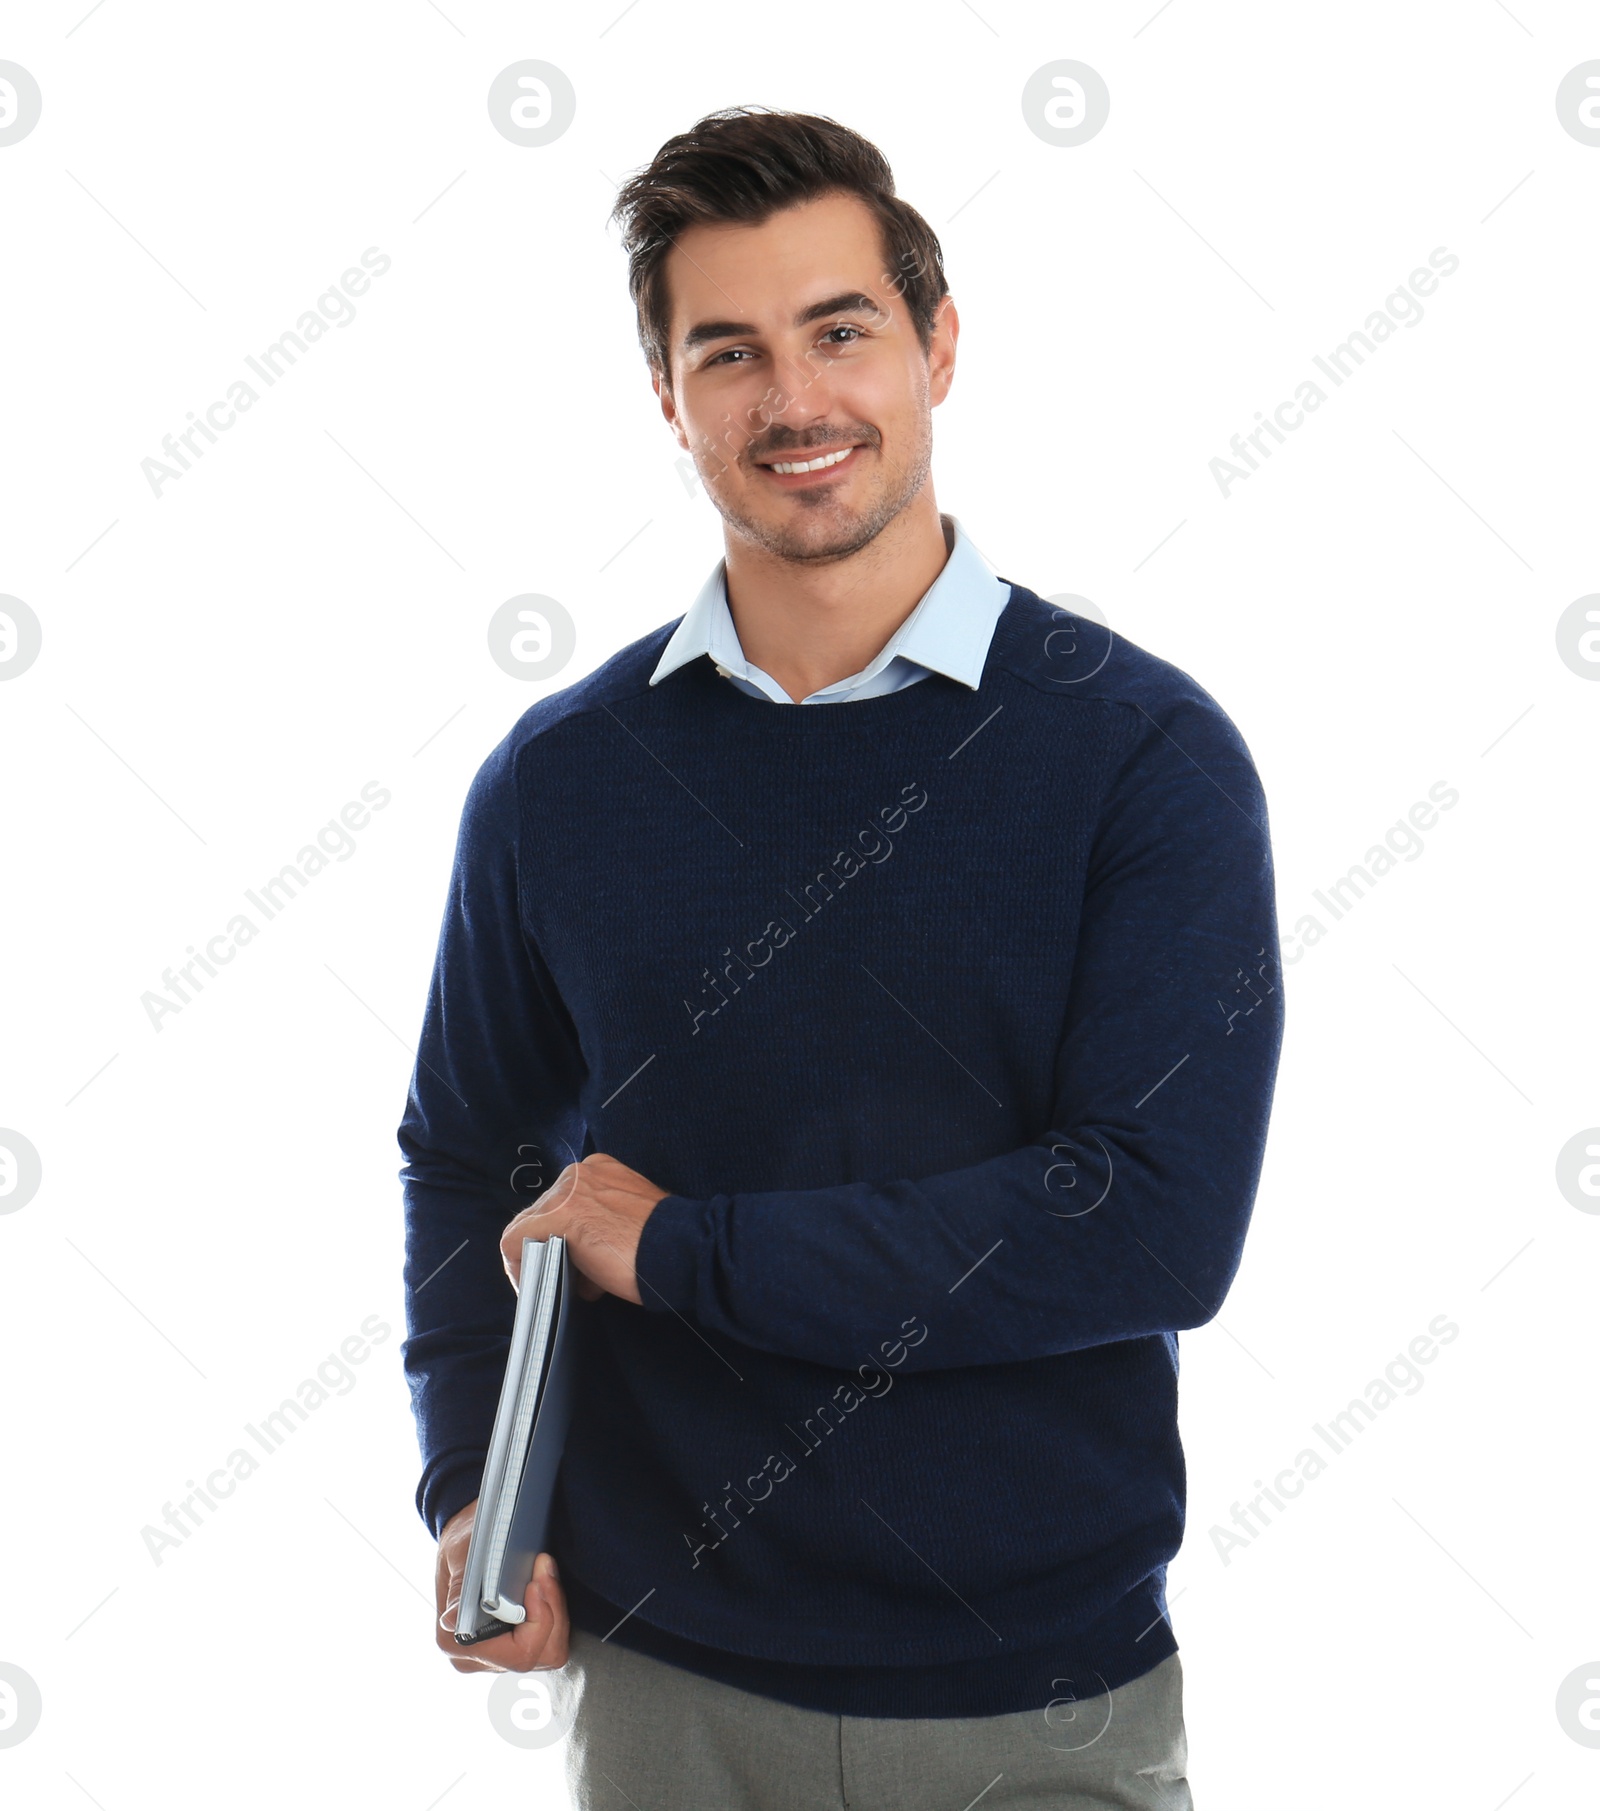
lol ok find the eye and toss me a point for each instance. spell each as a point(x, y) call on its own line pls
point(744, 351)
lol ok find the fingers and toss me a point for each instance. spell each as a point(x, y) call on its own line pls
point(511, 1249)
point(441, 1582)
point(548, 1633)
point(445, 1634)
point(500, 1654)
point(528, 1224)
point(447, 1570)
point(541, 1640)
point(546, 1646)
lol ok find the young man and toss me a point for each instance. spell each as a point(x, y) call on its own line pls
point(875, 969)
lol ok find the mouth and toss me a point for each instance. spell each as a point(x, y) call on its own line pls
point(798, 471)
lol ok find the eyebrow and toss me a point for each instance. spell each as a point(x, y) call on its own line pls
point(852, 301)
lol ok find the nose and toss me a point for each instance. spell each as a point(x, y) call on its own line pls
point(806, 392)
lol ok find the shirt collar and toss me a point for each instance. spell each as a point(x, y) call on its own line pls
point(948, 632)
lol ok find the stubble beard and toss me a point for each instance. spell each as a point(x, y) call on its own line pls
point(847, 532)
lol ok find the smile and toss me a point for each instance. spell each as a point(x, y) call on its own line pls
point(793, 468)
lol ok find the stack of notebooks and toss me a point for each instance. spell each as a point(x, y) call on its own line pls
point(530, 1428)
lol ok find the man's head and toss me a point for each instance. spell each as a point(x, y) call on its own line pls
point(790, 306)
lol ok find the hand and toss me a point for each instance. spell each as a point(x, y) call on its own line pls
point(539, 1642)
point(599, 1207)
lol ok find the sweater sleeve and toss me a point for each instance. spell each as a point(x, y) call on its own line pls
point(491, 1119)
point(1126, 1215)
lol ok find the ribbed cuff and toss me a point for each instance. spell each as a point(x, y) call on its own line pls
point(454, 1488)
point(667, 1262)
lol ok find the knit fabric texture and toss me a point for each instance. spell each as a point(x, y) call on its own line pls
point(951, 1020)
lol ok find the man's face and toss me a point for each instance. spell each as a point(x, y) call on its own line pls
point(789, 341)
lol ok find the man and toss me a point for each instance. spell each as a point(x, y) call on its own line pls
point(872, 976)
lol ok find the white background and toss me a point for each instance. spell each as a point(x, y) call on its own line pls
point(304, 611)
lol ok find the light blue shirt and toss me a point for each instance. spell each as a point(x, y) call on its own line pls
point(948, 632)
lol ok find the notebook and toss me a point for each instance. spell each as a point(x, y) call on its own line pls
point(530, 1427)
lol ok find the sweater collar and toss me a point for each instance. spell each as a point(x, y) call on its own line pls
point(949, 630)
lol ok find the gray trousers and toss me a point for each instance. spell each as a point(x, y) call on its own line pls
point(647, 1736)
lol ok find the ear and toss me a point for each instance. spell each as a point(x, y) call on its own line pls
point(669, 408)
point(942, 351)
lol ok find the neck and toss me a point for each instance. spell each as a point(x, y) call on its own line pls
point(811, 623)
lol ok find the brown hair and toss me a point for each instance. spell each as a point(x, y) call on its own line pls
point(744, 164)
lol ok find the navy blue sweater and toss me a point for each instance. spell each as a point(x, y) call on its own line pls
point(951, 1020)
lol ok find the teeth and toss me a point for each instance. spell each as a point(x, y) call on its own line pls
point(815, 465)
